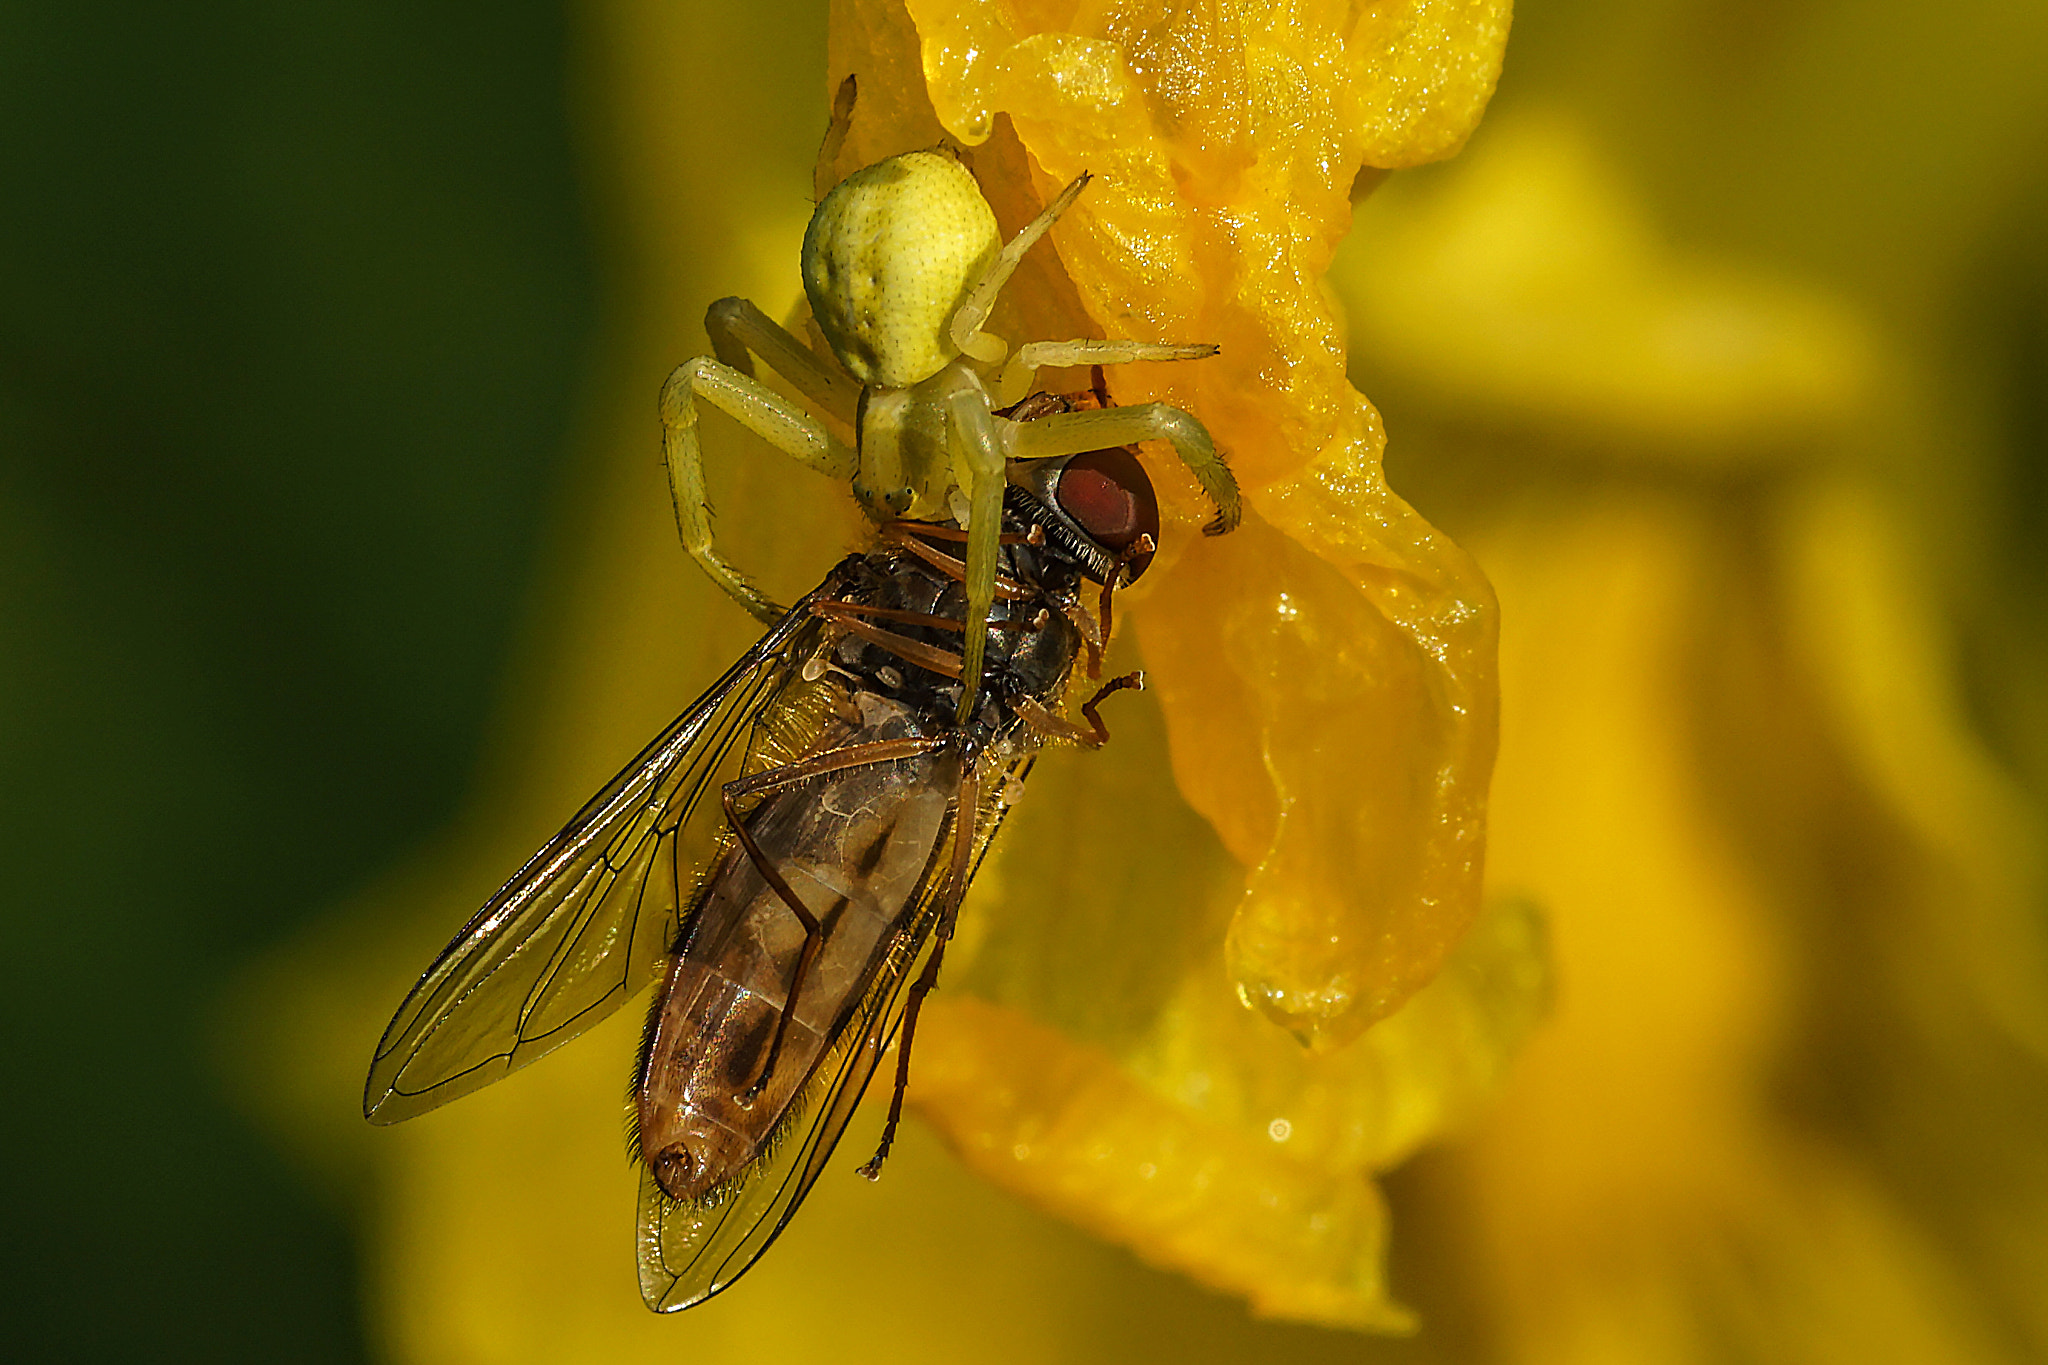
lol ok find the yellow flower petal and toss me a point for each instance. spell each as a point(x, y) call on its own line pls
point(1226, 151)
point(1325, 672)
point(1115, 1077)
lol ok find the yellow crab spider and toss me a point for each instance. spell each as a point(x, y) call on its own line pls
point(902, 263)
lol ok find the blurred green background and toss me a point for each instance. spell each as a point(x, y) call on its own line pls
point(297, 300)
point(299, 303)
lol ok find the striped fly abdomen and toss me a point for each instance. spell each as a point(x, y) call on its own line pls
point(857, 848)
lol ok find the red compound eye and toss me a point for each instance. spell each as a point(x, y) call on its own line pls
point(1108, 496)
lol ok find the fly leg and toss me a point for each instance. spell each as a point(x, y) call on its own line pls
point(1094, 734)
point(965, 809)
point(776, 779)
point(919, 989)
point(1134, 681)
point(761, 410)
point(1070, 433)
point(1095, 630)
point(1094, 637)
point(1137, 549)
point(939, 661)
point(911, 536)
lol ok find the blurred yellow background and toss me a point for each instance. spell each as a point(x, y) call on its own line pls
point(1722, 350)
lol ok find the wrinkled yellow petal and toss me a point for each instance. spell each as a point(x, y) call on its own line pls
point(1225, 147)
point(1334, 731)
point(1425, 73)
point(1033, 1110)
point(1120, 1081)
point(1325, 672)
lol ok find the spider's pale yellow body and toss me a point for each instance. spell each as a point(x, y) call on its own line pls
point(889, 258)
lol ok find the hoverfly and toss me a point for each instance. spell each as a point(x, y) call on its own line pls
point(780, 858)
point(783, 855)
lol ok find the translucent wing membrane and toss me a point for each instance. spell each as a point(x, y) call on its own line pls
point(587, 923)
point(691, 1251)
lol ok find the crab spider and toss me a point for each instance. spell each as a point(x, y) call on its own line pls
point(902, 264)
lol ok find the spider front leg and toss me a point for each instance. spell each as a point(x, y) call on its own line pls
point(1019, 375)
point(737, 328)
point(965, 326)
point(760, 410)
point(978, 449)
point(1071, 433)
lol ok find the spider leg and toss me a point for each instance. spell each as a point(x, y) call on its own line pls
point(739, 331)
point(965, 329)
point(1070, 433)
point(760, 410)
point(1019, 375)
point(980, 450)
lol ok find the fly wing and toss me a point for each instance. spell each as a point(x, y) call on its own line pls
point(691, 1251)
point(589, 920)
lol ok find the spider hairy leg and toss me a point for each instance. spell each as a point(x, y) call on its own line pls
point(760, 410)
point(1072, 433)
point(980, 449)
point(1022, 371)
point(739, 331)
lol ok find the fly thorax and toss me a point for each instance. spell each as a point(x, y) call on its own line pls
point(1040, 660)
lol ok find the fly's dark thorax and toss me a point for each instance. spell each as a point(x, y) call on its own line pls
point(1031, 642)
